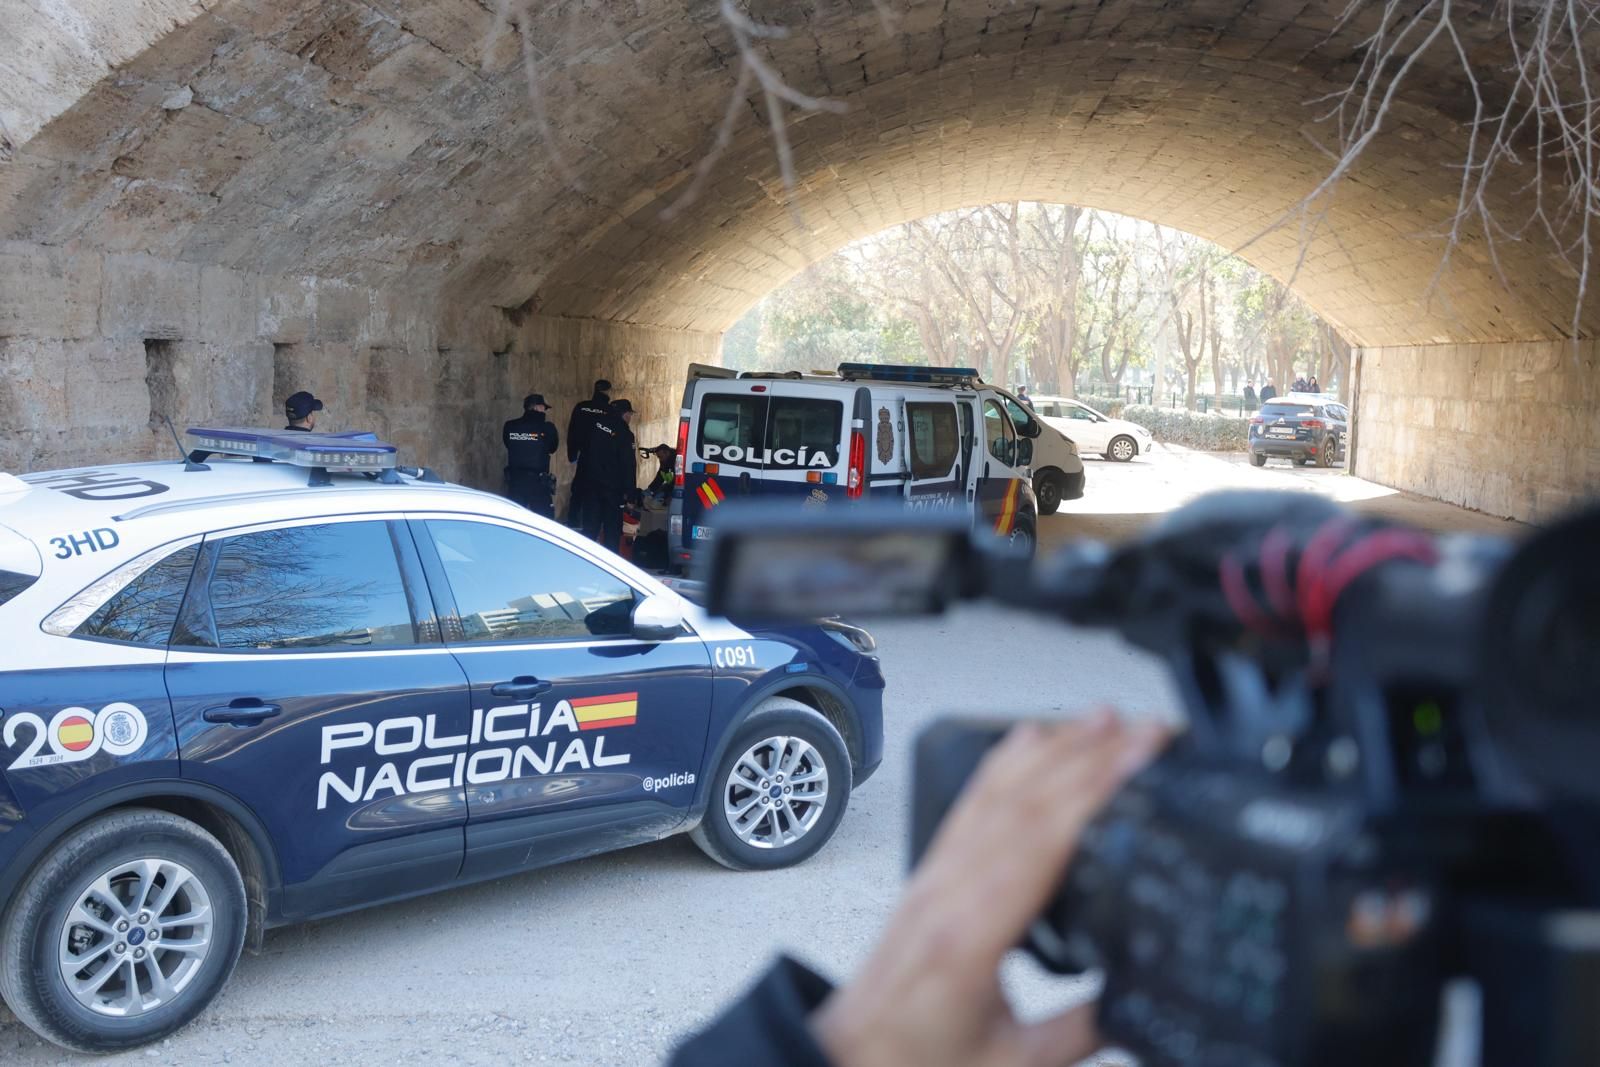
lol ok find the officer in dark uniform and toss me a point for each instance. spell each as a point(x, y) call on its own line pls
point(530, 442)
point(608, 468)
point(580, 426)
point(301, 411)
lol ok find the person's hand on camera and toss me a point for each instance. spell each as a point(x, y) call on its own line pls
point(930, 993)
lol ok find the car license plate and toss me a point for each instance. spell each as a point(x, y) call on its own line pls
point(700, 533)
point(1278, 432)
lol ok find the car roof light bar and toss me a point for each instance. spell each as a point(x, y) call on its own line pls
point(892, 372)
point(317, 452)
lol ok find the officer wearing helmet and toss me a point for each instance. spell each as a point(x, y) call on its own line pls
point(530, 441)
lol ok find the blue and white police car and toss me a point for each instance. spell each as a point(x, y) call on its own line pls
point(286, 678)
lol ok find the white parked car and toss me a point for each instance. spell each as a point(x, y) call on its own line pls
point(1091, 431)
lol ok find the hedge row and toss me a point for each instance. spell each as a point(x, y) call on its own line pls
point(1179, 426)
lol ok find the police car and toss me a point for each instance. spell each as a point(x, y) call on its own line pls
point(934, 437)
point(238, 694)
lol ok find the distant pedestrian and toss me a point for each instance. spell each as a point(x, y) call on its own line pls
point(1268, 391)
point(608, 468)
point(301, 410)
point(580, 426)
point(530, 441)
point(1314, 386)
point(1250, 393)
point(1022, 395)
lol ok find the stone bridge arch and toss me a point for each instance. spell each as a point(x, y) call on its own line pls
point(206, 204)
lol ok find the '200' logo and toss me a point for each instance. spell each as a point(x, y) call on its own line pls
point(75, 734)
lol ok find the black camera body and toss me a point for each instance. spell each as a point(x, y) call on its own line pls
point(1378, 840)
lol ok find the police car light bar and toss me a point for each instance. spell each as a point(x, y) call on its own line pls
point(317, 451)
point(890, 372)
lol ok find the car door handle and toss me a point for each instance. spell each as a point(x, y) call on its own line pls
point(246, 711)
point(521, 688)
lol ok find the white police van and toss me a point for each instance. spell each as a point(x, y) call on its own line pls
point(931, 436)
point(235, 694)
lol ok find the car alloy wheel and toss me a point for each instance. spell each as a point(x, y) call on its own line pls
point(776, 792)
point(136, 938)
point(1122, 449)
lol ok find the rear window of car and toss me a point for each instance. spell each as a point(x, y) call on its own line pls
point(1288, 409)
point(775, 432)
point(145, 610)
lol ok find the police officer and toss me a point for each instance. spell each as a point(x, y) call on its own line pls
point(530, 442)
point(608, 469)
point(301, 411)
point(585, 416)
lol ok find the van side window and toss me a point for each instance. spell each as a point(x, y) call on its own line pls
point(998, 434)
point(935, 440)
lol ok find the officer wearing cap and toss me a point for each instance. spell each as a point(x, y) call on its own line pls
point(530, 442)
point(301, 411)
point(580, 427)
point(608, 467)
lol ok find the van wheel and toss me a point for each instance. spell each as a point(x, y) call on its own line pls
point(1023, 539)
point(1047, 487)
point(779, 791)
point(123, 933)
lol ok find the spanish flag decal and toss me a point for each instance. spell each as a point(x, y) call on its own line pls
point(601, 713)
point(710, 493)
point(1008, 509)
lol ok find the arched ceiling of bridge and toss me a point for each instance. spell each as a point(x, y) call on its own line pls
point(389, 142)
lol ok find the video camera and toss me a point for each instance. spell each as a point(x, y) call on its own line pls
point(1378, 840)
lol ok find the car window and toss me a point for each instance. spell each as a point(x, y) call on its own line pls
point(935, 440)
point(998, 433)
point(514, 586)
point(1276, 409)
point(329, 586)
point(144, 611)
point(1075, 411)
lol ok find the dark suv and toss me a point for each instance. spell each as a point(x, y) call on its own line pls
point(1301, 429)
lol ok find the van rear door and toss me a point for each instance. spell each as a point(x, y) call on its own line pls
point(762, 438)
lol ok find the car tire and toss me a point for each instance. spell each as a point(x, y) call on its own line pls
point(1325, 453)
point(1048, 488)
point(781, 731)
point(1122, 448)
point(1258, 459)
point(189, 874)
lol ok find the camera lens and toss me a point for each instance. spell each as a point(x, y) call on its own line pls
point(1541, 670)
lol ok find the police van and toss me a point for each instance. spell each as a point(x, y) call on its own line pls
point(931, 436)
point(291, 678)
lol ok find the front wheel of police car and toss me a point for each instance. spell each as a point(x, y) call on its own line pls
point(779, 791)
point(124, 933)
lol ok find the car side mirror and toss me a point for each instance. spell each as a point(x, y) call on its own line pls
point(658, 617)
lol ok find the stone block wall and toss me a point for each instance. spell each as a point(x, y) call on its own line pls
point(1512, 429)
point(96, 348)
